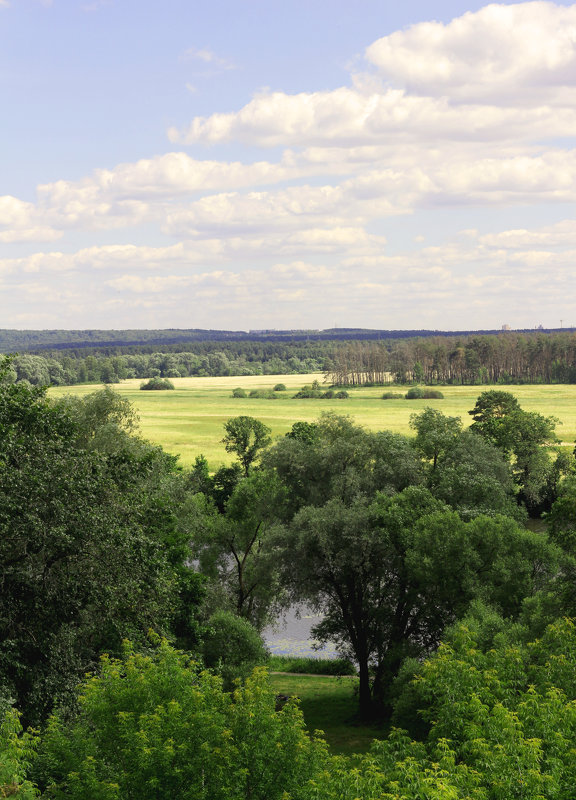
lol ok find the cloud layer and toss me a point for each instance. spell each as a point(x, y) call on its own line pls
point(474, 115)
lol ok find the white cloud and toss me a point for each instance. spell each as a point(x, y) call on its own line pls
point(513, 53)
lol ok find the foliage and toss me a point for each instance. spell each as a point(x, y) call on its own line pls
point(280, 387)
point(151, 726)
point(417, 393)
point(337, 458)
point(89, 547)
point(246, 436)
point(311, 666)
point(233, 647)
point(239, 392)
point(17, 750)
point(157, 383)
point(390, 575)
point(392, 396)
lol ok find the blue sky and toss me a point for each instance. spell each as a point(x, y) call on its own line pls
point(287, 165)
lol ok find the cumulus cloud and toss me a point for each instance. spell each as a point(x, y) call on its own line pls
point(506, 53)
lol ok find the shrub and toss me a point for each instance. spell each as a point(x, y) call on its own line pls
point(392, 396)
point(312, 666)
point(157, 384)
point(280, 387)
point(328, 395)
point(233, 647)
point(262, 394)
point(342, 395)
point(417, 393)
point(238, 392)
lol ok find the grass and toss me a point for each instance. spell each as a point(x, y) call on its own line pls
point(329, 704)
point(317, 666)
point(189, 420)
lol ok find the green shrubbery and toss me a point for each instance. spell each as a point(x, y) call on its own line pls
point(392, 396)
point(417, 393)
point(312, 666)
point(157, 383)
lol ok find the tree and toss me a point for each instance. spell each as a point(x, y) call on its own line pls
point(89, 548)
point(234, 547)
point(390, 575)
point(336, 458)
point(435, 432)
point(246, 436)
point(233, 647)
point(157, 726)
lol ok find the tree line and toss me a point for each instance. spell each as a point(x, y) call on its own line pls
point(415, 550)
point(505, 358)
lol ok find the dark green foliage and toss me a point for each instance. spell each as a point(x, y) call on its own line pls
point(239, 392)
point(280, 387)
point(263, 394)
point(417, 393)
point(392, 396)
point(157, 384)
point(303, 431)
point(390, 575)
point(89, 549)
point(232, 647)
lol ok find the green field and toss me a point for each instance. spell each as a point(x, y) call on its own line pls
point(189, 420)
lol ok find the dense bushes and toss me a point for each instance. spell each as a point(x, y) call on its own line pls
point(157, 384)
point(417, 393)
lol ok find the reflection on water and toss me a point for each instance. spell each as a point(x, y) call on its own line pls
point(291, 636)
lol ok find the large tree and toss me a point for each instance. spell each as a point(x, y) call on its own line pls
point(391, 574)
point(89, 548)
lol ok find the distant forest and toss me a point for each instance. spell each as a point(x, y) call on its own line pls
point(348, 357)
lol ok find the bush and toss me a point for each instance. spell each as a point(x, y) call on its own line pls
point(342, 395)
point(328, 395)
point(233, 647)
point(280, 387)
point(262, 394)
point(239, 392)
point(157, 384)
point(313, 666)
point(392, 396)
point(417, 393)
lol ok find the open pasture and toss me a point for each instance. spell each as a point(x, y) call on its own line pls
point(189, 420)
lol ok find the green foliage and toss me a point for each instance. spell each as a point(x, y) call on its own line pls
point(239, 392)
point(233, 647)
point(337, 458)
point(157, 384)
point(311, 666)
point(263, 394)
point(390, 575)
point(89, 547)
point(417, 393)
point(155, 726)
point(17, 750)
point(280, 387)
point(392, 396)
point(245, 437)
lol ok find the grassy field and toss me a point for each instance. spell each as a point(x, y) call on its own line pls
point(189, 420)
point(329, 704)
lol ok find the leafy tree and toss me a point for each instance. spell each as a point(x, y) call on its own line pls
point(234, 547)
point(17, 750)
point(155, 726)
point(89, 548)
point(435, 433)
point(390, 575)
point(246, 436)
point(336, 458)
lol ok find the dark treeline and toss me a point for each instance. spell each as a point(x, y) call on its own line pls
point(505, 358)
point(31, 340)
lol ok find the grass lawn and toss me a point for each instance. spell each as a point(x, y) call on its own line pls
point(189, 420)
point(329, 705)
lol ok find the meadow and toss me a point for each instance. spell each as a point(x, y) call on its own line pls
point(189, 420)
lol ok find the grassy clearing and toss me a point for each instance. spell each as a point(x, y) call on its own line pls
point(316, 666)
point(188, 421)
point(329, 704)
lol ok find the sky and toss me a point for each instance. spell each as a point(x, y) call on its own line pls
point(287, 165)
